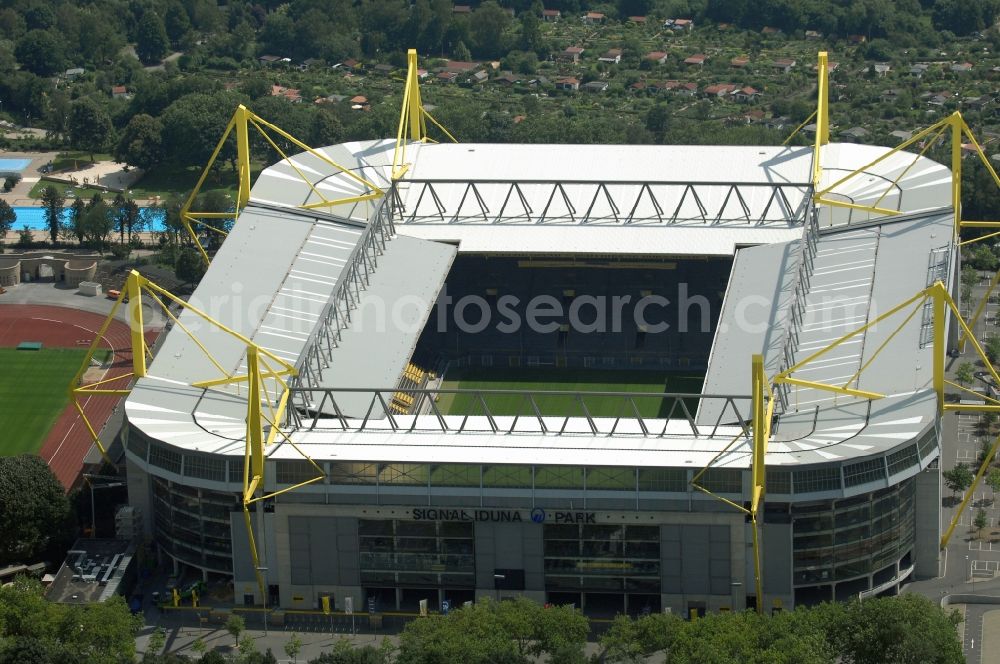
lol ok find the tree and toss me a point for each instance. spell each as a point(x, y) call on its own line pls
point(512, 632)
point(52, 201)
point(992, 348)
point(7, 218)
point(487, 25)
point(635, 641)
point(958, 479)
point(118, 212)
point(293, 646)
point(888, 630)
point(993, 481)
point(25, 237)
point(77, 214)
point(98, 224)
point(980, 521)
point(141, 143)
point(235, 626)
point(40, 52)
point(969, 276)
point(964, 373)
point(193, 125)
point(35, 630)
point(176, 22)
point(747, 636)
point(344, 652)
point(152, 43)
point(90, 127)
point(200, 647)
point(157, 640)
point(34, 511)
point(127, 217)
point(531, 34)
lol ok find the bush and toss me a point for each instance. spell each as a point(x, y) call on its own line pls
point(24, 238)
point(10, 182)
point(120, 251)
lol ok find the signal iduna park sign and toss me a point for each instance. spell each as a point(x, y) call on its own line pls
point(537, 515)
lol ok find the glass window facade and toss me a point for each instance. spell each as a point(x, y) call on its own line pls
point(602, 558)
point(417, 553)
point(817, 479)
point(863, 472)
point(844, 539)
point(902, 459)
point(165, 458)
point(353, 473)
point(193, 524)
point(722, 480)
point(295, 471)
point(205, 467)
point(663, 479)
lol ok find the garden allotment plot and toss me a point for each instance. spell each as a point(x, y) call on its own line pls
point(33, 391)
point(536, 380)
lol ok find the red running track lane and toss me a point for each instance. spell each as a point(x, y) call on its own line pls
point(69, 441)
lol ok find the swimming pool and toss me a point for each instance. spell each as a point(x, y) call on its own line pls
point(34, 218)
point(13, 165)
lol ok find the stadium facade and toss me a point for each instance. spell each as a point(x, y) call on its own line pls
point(559, 504)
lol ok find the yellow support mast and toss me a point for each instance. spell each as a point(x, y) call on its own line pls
point(822, 117)
point(762, 412)
point(242, 122)
point(412, 118)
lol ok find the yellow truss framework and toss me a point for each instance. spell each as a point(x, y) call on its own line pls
point(762, 407)
point(952, 128)
point(763, 403)
point(412, 118)
point(926, 138)
point(243, 119)
point(265, 383)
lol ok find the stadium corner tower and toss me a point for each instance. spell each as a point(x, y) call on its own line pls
point(529, 264)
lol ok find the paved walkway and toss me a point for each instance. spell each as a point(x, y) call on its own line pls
point(990, 650)
point(106, 173)
point(18, 196)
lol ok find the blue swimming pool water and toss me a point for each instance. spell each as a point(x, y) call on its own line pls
point(34, 218)
point(18, 165)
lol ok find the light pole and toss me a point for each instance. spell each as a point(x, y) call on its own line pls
point(259, 570)
point(497, 578)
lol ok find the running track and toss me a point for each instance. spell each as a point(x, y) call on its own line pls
point(68, 441)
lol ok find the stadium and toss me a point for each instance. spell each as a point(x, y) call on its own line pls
point(526, 369)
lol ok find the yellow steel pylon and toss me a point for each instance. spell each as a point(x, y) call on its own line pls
point(412, 118)
point(241, 123)
point(763, 401)
point(952, 128)
point(762, 407)
point(267, 389)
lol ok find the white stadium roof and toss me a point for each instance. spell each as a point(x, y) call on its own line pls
point(274, 279)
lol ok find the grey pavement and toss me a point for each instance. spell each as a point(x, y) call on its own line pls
point(973, 642)
point(60, 296)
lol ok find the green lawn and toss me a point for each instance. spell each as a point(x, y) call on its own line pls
point(33, 391)
point(575, 380)
point(77, 192)
point(168, 179)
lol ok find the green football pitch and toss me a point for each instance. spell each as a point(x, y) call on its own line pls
point(34, 390)
point(570, 380)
